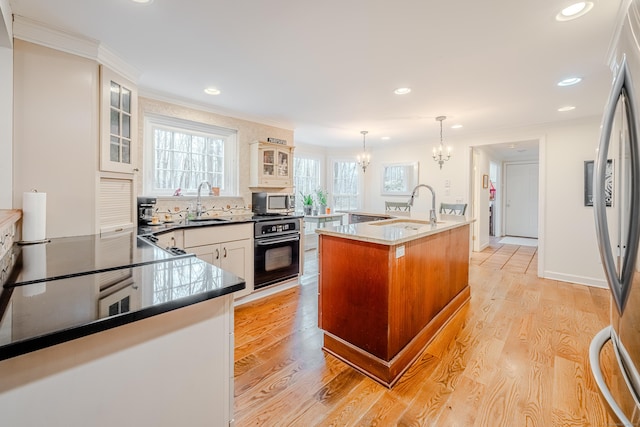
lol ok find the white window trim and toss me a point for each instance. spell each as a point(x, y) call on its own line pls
point(231, 176)
point(330, 167)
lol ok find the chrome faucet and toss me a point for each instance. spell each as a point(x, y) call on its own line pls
point(432, 213)
point(199, 199)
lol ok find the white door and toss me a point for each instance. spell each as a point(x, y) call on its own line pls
point(521, 205)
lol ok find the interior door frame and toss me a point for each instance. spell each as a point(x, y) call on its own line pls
point(475, 186)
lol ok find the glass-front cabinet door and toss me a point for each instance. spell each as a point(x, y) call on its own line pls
point(271, 165)
point(118, 123)
point(283, 164)
point(268, 162)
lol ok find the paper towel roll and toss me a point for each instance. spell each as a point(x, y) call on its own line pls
point(34, 216)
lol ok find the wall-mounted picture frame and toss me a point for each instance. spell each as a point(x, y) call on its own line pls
point(485, 181)
point(588, 183)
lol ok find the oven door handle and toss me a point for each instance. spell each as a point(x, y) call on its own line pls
point(266, 242)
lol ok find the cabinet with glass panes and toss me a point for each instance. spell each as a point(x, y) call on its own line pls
point(271, 165)
point(118, 123)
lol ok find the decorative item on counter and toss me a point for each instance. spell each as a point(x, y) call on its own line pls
point(215, 191)
point(277, 141)
point(307, 203)
point(178, 192)
point(321, 197)
point(328, 211)
point(34, 217)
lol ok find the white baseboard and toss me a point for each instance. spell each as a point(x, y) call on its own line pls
point(580, 280)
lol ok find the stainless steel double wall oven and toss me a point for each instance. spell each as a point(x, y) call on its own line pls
point(276, 249)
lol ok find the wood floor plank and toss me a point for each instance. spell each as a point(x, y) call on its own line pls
point(515, 355)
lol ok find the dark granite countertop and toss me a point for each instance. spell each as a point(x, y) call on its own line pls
point(208, 222)
point(72, 287)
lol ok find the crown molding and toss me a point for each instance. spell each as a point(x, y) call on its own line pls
point(75, 44)
point(188, 103)
point(107, 57)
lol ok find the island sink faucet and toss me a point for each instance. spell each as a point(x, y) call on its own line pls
point(432, 213)
point(199, 198)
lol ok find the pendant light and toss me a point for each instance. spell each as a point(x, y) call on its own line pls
point(437, 153)
point(364, 159)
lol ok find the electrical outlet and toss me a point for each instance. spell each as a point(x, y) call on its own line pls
point(447, 183)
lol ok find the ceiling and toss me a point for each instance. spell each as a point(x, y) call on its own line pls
point(328, 69)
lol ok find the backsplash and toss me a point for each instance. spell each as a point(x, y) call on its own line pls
point(180, 206)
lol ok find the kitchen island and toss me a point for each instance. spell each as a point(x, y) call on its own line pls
point(387, 287)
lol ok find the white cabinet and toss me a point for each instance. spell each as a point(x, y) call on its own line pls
point(229, 247)
point(271, 165)
point(118, 123)
point(173, 239)
point(118, 149)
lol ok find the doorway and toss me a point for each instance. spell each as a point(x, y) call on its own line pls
point(482, 159)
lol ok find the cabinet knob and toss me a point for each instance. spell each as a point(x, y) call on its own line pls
point(136, 170)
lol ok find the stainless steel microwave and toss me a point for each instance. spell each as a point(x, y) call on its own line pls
point(273, 203)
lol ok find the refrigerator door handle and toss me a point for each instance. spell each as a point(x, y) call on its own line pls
point(595, 347)
point(620, 285)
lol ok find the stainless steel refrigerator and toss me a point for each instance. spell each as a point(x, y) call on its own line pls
point(616, 205)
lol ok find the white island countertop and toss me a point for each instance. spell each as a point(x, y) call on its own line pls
point(396, 230)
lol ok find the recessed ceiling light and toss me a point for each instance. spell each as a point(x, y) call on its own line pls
point(212, 91)
point(570, 81)
point(458, 126)
point(143, 1)
point(574, 11)
point(385, 138)
point(566, 108)
point(402, 91)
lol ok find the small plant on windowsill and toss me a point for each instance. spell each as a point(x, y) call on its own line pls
point(307, 203)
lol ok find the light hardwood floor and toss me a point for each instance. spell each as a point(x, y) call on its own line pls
point(515, 355)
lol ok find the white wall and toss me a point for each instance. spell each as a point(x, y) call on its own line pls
point(429, 173)
point(568, 249)
point(56, 135)
point(6, 128)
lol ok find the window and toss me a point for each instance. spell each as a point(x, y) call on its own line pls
point(399, 179)
point(345, 185)
point(306, 177)
point(182, 154)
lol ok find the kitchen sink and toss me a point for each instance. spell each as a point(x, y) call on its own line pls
point(405, 223)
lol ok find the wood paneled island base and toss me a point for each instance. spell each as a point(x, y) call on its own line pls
point(380, 305)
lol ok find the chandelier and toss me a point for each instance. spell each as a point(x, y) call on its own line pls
point(437, 152)
point(364, 159)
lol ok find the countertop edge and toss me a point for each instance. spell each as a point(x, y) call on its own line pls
point(423, 232)
point(9, 216)
point(29, 345)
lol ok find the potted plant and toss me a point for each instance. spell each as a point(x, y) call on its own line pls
point(307, 203)
point(321, 196)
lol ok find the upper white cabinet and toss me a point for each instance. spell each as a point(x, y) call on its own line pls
point(118, 123)
point(271, 165)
